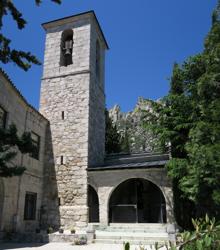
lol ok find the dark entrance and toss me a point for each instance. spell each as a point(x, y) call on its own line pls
point(93, 203)
point(137, 201)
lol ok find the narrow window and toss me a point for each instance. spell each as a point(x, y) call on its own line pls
point(97, 59)
point(36, 143)
point(3, 117)
point(61, 159)
point(66, 48)
point(30, 206)
point(58, 201)
point(62, 115)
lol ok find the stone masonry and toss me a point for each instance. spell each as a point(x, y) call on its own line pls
point(75, 93)
point(13, 190)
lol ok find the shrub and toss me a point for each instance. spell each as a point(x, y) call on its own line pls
point(127, 246)
point(206, 236)
point(50, 230)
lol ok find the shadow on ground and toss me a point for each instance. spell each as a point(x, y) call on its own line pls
point(4, 246)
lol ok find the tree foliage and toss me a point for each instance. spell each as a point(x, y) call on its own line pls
point(112, 137)
point(115, 140)
point(21, 58)
point(10, 144)
point(189, 118)
point(204, 236)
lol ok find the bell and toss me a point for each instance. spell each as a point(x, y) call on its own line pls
point(67, 51)
point(68, 47)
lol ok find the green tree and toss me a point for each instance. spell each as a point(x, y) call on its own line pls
point(125, 142)
point(112, 137)
point(7, 54)
point(10, 144)
point(189, 118)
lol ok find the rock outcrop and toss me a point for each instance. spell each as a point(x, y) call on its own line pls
point(141, 139)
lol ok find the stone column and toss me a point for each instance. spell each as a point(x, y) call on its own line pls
point(169, 204)
point(104, 196)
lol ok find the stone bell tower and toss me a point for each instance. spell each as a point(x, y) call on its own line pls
point(73, 100)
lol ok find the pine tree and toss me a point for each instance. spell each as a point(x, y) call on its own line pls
point(112, 137)
point(21, 58)
point(10, 144)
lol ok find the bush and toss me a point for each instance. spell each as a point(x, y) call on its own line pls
point(127, 246)
point(50, 230)
point(81, 241)
point(206, 236)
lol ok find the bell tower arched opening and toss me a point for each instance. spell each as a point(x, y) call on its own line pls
point(66, 48)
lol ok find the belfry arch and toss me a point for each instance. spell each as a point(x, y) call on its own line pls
point(137, 200)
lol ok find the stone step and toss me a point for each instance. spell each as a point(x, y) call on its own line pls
point(132, 242)
point(146, 228)
point(137, 225)
point(131, 236)
point(136, 230)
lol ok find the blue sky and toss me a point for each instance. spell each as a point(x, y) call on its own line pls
point(145, 38)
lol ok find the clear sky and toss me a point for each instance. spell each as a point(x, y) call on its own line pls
point(145, 38)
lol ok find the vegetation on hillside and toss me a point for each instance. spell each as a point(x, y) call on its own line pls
point(112, 137)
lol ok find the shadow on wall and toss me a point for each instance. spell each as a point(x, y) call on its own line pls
point(1, 201)
point(50, 215)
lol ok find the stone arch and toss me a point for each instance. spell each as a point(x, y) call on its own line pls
point(93, 204)
point(138, 200)
point(147, 178)
point(66, 48)
point(2, 192)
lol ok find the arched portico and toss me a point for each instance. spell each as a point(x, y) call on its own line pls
point(137, 200)
point(107, 181)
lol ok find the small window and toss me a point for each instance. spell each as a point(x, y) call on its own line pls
point(97, 59)
point(30, 206)
point(36, 142)
point(61, 159)
point(66, 48)
point(3, 117)
point(62, 115)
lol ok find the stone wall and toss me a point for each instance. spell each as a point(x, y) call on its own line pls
point(25, 118)
point(73, 90)
point(96, 102)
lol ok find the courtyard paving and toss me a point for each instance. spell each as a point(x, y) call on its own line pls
point(65, 246)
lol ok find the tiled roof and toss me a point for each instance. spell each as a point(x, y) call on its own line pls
point(2, 72)
point(133, 161)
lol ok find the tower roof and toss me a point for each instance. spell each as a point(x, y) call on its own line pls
point(72, 18)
